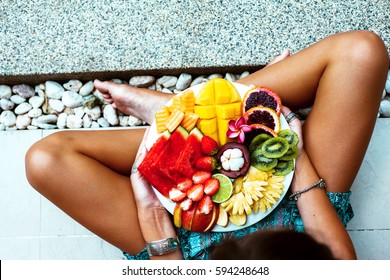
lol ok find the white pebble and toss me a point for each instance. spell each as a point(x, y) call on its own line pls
point(184, 81)
point(73, 85)
point(199, 80)
point(35, 113)
point(244, 74)
point(6, 104)
point(103, 122)
point(56, 105)
point(86, 89)
point(5, 91)
point(79, 111)
point(23, 90)
point(95, 124)
point(109, 113)
point(23, 108)
point(23, 121)
point(87, 121)
point(95, 112)
point(74, 122)
point(166, 90)
point(32, 127)
point(54, 90)
point(123, 120)
point(72, 99)
point(2, 127)
point(133, 121)
point(214, 76)
point(8, 118)
point(47, 119)
point(384, 108)
point(17, 99)
point(141, 81)
point(61, 120)
point(230, 77)
point(36, 101)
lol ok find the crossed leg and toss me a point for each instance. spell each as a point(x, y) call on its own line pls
point(85, 173)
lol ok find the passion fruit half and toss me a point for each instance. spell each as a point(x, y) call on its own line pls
point(234, 159)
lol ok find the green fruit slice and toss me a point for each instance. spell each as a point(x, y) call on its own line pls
point(275, 147)
point(225, 188)
point(261, 162)
point(290, 136)
point(284, 167)
point(292, 153)
point(258, 141)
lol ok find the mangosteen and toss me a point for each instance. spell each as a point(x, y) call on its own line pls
point(234, 159)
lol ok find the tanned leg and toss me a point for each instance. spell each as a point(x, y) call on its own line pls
point(86, 174)
point(343, 77)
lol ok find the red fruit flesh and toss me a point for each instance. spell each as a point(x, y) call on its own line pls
point(211, 186)
point(189, 155)
point(176, 195)
point(196, 192)
point(209, 145)
point(199, 177)
point(149, 167)
point(206, 205)
point(261, 96)
point(185, 185)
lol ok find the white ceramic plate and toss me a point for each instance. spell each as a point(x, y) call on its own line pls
point(251, 219)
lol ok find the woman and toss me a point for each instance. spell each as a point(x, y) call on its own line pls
point(86, 173)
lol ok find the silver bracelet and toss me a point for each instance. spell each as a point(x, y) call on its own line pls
point(162, 247)
point(320, 184)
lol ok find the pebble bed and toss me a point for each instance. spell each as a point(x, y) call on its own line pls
point(76, 105)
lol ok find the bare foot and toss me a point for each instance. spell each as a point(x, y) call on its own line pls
point(138, 102)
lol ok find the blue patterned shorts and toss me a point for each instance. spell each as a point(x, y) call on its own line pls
point(195, 246)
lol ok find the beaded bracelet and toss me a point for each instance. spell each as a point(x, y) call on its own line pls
point(320, 184)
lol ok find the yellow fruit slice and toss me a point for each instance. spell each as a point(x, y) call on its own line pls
point(189, 121)
point(206, 94)
point(208, 126)
point(222, 91)
point(187, 99)
point(234, 94)
point(205, 112)
point(174, 120)
point(176, 104)
point(238, 220)
point(222, 129)
point(161, 118)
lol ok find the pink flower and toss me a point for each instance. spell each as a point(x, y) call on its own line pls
point(238, 129)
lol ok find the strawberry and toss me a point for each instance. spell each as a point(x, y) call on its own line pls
point(211, 186)
point(209, 146)
point(176, 195)
point(207, 163)
point(186, 204)
point(206, 205)
point(196, 192)
point(185, 185)
point(199, 177)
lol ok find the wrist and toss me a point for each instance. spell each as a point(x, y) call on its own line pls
point(156, 224)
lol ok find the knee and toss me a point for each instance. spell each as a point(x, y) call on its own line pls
point(365, 48)
point(41, 157)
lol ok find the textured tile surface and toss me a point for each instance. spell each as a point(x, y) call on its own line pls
point(45, 36)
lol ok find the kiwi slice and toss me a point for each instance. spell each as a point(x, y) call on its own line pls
point(292, 153)
point(284, 167)
point(290, 136)
point(257, 141)
point(259, 161)
point(275, 147)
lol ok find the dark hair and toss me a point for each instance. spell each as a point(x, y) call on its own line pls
point(272, 244)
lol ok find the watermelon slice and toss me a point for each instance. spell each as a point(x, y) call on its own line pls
point(186, 162)
point(149, 166)
point(167, 159)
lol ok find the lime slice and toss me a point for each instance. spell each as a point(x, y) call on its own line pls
point(225, 188)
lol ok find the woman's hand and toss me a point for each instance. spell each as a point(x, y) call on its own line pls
point(296, 126)
point(143, 192)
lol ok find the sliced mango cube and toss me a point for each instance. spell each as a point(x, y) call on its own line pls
point(222, 129)
point(205, 112)
point(208, 126)
point(206, 94)
point(189, 121)
point(222, 92)
point(174, 120)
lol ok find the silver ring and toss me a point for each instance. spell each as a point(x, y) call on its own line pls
point(290, 117)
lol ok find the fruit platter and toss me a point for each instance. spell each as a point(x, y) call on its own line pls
point(220, 156)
